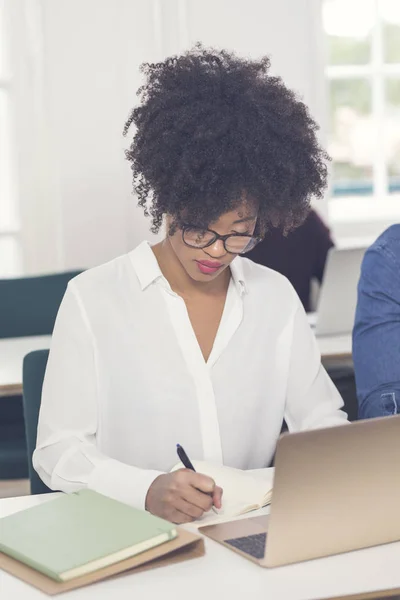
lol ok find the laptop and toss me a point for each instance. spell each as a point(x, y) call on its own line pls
point(335, 490)
point(338, 295)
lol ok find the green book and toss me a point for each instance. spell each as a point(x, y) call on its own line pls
point(79, 533)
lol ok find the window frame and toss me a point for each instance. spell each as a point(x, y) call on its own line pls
point(380, 204)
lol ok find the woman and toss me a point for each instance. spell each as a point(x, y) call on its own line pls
point(187, 342)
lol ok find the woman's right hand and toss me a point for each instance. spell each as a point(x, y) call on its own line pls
point(182, 496)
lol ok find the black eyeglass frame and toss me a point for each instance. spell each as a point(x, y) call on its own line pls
point(223, 238)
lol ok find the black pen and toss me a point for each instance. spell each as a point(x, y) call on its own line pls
point(185, 460)
point(183, 457)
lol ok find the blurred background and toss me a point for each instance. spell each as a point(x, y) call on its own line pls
point(69, 71)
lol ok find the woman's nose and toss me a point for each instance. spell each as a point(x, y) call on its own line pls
point(216, 250)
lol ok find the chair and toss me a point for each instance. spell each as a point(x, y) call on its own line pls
point(344, 380)
point(13, 456)
point(33, 375)
point(28, 307)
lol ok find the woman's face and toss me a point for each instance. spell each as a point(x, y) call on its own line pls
point(206, 264)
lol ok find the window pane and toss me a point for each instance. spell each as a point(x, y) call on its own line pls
point(390, 11)
point(10, 257)
point(8, 212)
point(351, 138)
point(348, 25)
point(392, 133)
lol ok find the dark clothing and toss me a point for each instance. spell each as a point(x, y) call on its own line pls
point(300, 256)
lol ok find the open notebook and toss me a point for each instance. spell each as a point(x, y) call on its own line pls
point(244, 491)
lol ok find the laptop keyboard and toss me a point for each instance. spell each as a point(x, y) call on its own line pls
point(250, 544)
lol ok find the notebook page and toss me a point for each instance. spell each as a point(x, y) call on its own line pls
point(244, 491)
point(267, 476)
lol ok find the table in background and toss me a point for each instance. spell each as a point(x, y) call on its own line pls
point(332, 347)
point(335, 347)
point(222, 573)
point(12, 352)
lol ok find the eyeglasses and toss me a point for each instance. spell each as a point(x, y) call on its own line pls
point(234, 243)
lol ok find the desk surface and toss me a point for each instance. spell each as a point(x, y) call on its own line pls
point(12, 352)
point(335, 346)
point(223, 574)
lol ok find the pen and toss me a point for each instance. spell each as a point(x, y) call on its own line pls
point(185, 460)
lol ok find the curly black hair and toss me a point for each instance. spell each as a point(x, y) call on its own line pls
point(211, 127)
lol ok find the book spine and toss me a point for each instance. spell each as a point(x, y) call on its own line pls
point(30, 563)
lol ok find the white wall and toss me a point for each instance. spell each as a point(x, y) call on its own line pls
point(92, 50)
point(80, 211)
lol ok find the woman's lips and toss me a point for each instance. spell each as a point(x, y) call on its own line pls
point(208, 267)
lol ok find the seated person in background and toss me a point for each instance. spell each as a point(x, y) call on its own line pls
point(300, 255)
point(186, 342)
point(376, 335)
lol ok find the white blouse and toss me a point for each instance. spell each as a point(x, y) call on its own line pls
point(126, 380)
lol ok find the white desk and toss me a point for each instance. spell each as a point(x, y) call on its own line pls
point(332, 346)
point(223, 574)
point(12, 352)
point(335, 346)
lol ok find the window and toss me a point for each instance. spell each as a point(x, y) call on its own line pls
point(363, 73)
point(10, 250)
